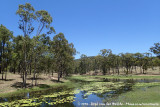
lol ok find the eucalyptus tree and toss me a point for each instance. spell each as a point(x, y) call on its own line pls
point(17, 53)
point(156, 49)
point(156, 62)
point(5, 37)
point(105, 62)
point(127, 62)
point(69, 63)
point(8, 57)
point(117, 63)
point(112, 62)
point(146, 61)
point(36, 51)
point(138, 61)
point(63, 54)
point(83, 64)
point(44, 21)
point(28, 15)
point(47, 54)
point(97, 63)
point(145, 64)
point(76, 66)
point(42, 54)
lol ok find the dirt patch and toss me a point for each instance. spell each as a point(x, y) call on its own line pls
point(14, 82)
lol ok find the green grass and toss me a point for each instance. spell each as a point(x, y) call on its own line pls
point(83, 77)
point(68, 84)
point(72, 84)
point(37, 88)
point(144, 95)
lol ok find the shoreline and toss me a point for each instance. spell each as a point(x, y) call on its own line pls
point(69, 83)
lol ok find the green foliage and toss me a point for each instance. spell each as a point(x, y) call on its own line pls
point(63, 54)
point(5, 49)
point(108, 63)
point(33, 50)
point(26, 14)
point(156, 49)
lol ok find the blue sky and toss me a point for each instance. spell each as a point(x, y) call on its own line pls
point(120, 25)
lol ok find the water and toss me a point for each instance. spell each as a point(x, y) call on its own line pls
point(89, 93)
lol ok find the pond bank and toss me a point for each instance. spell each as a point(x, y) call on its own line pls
point(71, 79)
point(86, 89)
point(41, 87)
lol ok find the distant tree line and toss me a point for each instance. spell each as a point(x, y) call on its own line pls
point(108, 63)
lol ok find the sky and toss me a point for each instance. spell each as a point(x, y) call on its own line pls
point(91, 25)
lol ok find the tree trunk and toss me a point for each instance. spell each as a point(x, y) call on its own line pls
point(131, 69)
point(46, 72)
point(19, 68)
point(58, 76)
point(52, 73)
point(141, 69)
point(30, 69)
point(61, 74)
point(34, 69)
point(113, 70)
point(5, 75)
point(109, 72)
point(127, 71)
point(14, 70)
point(118, 71)
point(36, 79)
point(104, 71)
point(61, 70)
point(48, 69)
point(32, 82)
point(2, 75)
point(2, 59)
point(25, 78)
point(135, 69)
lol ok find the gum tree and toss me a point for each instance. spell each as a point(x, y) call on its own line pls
point(42, 19)
point(63, 54)
point(27, 16)
point(105, 61)
point(156, 49)
point(5, 51)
